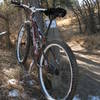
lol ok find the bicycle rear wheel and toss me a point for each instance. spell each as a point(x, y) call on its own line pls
point(58, 71)
point(23, 44)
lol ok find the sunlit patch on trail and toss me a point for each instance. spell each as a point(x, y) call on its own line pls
point(90, 97)
point(76, 97)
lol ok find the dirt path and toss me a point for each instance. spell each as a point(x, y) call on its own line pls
point(89, 74)
point(87, 51)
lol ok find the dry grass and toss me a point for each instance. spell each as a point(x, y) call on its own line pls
point(9, 68)
point(88, 42)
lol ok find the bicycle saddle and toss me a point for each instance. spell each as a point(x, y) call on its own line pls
point(55, 12)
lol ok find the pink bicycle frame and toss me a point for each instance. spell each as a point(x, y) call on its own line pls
point(35, 34)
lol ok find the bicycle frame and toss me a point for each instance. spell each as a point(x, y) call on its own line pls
point(36, 36)
point(38, 39)
point(35, 32)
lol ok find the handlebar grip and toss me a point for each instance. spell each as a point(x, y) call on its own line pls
point(15, 2)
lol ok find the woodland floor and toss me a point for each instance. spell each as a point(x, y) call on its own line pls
point(87, 52)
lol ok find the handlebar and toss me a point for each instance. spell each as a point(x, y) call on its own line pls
point(54, 12)
point(32, 9)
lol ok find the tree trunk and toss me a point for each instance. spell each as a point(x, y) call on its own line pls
point(8, 41)
point(98, 7)
point(6, 19)
point(79, 22)
point(38, 16)
point(47, 3)
point(20, 16)
point(54, 3)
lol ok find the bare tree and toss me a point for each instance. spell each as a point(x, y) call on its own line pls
point(98, 7)
point(38, 16)
point(5, 16)
point(86, 16)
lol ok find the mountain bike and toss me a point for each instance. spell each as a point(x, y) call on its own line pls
point(56, 63)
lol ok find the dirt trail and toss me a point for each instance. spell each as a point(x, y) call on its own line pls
point(89, 72)
point(88, 60)
point(87, 51)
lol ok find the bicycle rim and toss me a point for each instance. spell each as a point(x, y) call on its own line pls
point(58, 86)
point(22, 45)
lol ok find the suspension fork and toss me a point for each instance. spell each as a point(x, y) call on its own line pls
point(46, 58)
point(49, 66)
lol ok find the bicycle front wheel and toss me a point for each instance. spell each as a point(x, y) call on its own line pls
point(23, 44)
point(58, 71)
